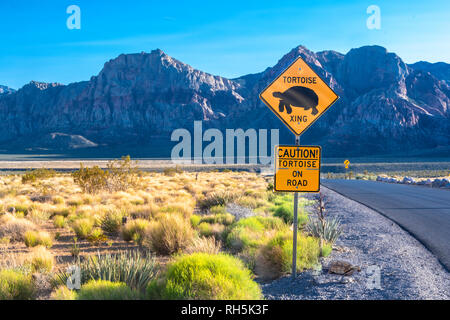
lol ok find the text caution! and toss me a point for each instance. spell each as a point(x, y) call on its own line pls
point(297, 168)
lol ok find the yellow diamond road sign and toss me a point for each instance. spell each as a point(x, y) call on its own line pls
point(298, 96)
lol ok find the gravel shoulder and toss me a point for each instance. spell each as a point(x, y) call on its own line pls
point(407, 269)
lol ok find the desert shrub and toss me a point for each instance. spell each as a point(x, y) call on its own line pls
point(106, 290)
point(83, 227)
point(147, 211)
point(134, 230)
point(131, 267)
point(215, 230)
point(275, 258)
point(14, 228)
point(285, 211)
point(184, 210)
point(216, 199)
point(203, 244)
point(37, 238)
point(195, 220)
point(218, 210)
point(222, 218)
point(248, 256)
point(169, 234)
point(96, 236)
point(112, 221)
point(38, 216)
point(172, 171)
point(122, 174)
point(41, 260)
point(58, 200)
point(328, 229)
point(33, 175)
point(253, 232)
point(248, 202)
point(205, 276)
point(59, 222)
point(5, 241)
point(20, 208)
point(119, 176)
point(75, 202)
point(62, 211)
point(327, 248)
point(63, 293)
point(15, 285)
point(91, 180)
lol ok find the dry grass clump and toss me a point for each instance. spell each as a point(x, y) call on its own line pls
point(83, 227)
point(134, 230)
point(63, 293)
point(37, 238)
point(14, 228)
point(169, 234)
point(59, 222)
point(204, 244)
point(216, 199)
point(41, 260)
point(215, 230)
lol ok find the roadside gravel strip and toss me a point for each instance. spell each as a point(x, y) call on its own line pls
point(407, 269)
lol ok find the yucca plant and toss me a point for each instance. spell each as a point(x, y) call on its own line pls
point(131, 267)
point(322, 227)
point(328, 229)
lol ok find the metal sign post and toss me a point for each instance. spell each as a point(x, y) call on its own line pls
point(294, 249)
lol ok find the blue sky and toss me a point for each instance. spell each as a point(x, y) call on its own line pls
point(229, 38)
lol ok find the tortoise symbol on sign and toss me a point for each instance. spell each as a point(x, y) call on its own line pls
point(298, 96)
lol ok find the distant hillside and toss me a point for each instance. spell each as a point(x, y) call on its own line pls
point(385, 105)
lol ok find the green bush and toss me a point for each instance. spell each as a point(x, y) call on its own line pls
point(253, 232)
point(33, 175)
point(83, 227)
point(326, 249)
point(59, 222)
point(215, 230)
point(218, 210)
point(195, 220)
point(63, 293)
point(285, 211)
point(96, 236)
point(222, 218)
point(131, 267)
point(15, 285)
point(134, 230)
point(275, 257)
point(106, 290)
point(112, 221)
point(91, 180)
point(205, 277)
point(37, 238)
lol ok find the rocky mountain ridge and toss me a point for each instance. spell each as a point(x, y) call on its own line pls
point(385, 105)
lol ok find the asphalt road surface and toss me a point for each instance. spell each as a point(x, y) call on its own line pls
point(422, 211)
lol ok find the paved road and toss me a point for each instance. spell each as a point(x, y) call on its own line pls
point(422, 211)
